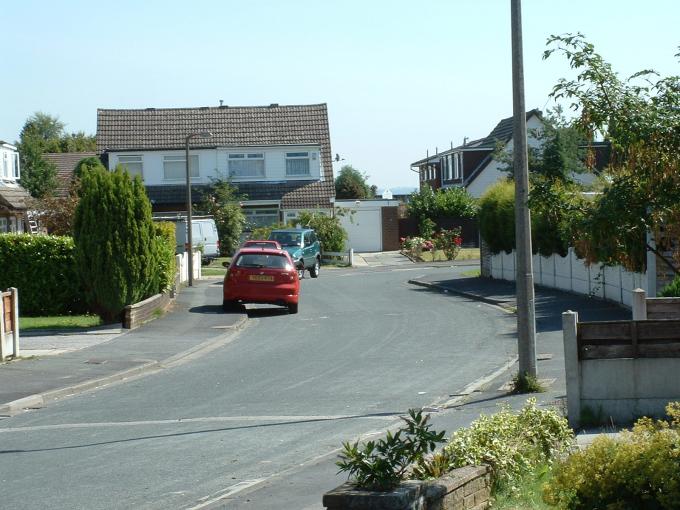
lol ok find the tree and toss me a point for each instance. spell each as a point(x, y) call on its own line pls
point(116, 248)
point(222, 202)
point(328, 228)
point(639, 116)
point(43, 133)
point(351, 183)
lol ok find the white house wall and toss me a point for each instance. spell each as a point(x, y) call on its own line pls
point(493, 172)
point(213, 164)
point(8, 155)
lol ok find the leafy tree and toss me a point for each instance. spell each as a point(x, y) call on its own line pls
point(351, 183)
point(116, 247)
point(639, 116)
point(328, 229)
point(78, 142)
point(222, 202)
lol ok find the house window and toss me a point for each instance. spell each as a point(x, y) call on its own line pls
point(261, 217)
point(246, 165)
point(5, 166)
point(458, 165)
point(175, 169)
point(16, 166)
point(133, 165)
point(297, 163)
point(3, 225)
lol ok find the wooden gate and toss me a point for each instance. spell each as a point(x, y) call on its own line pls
point(9, 323)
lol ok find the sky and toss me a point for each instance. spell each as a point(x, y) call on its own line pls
point(400, 77)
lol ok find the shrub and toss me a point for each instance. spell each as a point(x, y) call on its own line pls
point(451, 202)
point(497, 217)
point(328, 230)
point(511, 443)
point(44, 270)
point(449, 241)
point(165, 233)
point(114, 238)
point(222, 202)
point(382, 465)
point(639, 470)
point(672, 289)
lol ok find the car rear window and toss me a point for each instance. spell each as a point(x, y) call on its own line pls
point(266, 260)
point(286, 238)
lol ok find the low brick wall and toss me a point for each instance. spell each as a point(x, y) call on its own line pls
point(467, 488)
point(137, 314)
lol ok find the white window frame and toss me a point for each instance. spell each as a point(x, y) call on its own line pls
point(5, 165)
point(16, 170)
point(299, 156)
point(4, 224)
point(245, 156)
point(194, 171)
point(125, 159)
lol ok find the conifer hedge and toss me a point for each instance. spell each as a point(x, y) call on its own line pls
point(44, 270)
point(116, 247)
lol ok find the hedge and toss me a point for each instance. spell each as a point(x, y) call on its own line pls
point(43, 268)
point(166, 237)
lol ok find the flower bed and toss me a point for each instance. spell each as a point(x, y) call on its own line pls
point(445, 242)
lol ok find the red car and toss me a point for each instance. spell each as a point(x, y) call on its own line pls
point(261, 243)
point(261, 275)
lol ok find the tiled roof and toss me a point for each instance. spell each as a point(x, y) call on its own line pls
point(503, 131)
point(292, 194)
point(65, 163)
point(13, 197)
point(238, 126)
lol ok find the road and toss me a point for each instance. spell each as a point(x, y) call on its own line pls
point(365, 347)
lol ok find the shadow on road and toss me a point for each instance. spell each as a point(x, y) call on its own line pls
point(215, 309)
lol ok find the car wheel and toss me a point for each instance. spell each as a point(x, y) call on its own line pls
point(301, 272)
point(314, 270)
point(229, 305)
point(292, 308)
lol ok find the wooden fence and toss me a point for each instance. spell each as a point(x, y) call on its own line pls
point(9, 323)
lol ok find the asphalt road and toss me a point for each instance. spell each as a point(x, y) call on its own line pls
point(365, 347)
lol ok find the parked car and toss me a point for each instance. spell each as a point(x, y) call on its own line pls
point(303, 247)
point(261, 275)
point(261, 243)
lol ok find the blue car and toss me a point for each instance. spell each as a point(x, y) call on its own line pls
point(303, 247)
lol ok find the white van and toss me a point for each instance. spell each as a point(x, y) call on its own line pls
point(203, 230)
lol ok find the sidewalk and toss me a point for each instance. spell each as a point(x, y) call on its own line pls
point(91, 359)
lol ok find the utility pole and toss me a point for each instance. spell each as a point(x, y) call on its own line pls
point(526, 315)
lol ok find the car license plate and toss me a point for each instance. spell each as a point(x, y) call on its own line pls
point(261, 278)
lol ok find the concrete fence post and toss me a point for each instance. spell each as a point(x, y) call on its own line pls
point(572, 367)
point(639, 305)
point(351, 257)
point(15, 320)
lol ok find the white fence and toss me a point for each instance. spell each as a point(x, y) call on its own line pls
point(182, 262)
point(572, 274)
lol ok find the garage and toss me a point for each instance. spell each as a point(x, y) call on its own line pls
point(363, 221)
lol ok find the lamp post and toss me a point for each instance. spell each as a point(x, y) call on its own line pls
point(190, 246)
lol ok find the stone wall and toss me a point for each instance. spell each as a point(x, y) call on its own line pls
point(467, 488)
point(137, 314)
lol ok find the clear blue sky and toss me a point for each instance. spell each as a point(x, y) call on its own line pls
point(399, 77)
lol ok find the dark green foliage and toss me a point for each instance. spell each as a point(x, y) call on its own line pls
point(115, 242)
point(86, 164)
point(222, 202)
point(383, 464)
point(165, 233)
point(351, 183)
point(44, 270)
point(328, 230)
point(526, 383)
point(38, 176)
point(497, 217)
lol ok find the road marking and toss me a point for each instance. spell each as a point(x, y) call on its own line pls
point(207, 419)
point(225, 493)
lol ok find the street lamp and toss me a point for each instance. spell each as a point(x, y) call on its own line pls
point(190, 247)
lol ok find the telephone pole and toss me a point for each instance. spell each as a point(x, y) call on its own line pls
point(526, 315)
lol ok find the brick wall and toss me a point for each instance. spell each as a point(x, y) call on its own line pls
point(139, 313)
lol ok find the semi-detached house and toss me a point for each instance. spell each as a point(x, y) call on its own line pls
point(279, 157)
point(13, 198)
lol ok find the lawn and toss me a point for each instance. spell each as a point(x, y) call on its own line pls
point(59, 322)
point(215, 268)
point(464, 254)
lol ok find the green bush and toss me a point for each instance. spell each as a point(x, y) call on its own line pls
point(44, 270)
point(166, 240)
point(512, 444)
point(640, 470)
point(672, 289)
point(116, 251)
point(451, 202)
point(328, 230)
point(222, 202)
point(497, 217)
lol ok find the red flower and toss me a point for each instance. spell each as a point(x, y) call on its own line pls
point(458, 241)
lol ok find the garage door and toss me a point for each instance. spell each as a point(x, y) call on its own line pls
point(364, 229)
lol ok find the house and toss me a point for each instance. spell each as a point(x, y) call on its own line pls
point(65, 163)
point(278, 156)
point(13, 198)
point(472, 165)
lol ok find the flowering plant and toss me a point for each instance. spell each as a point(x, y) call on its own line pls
point(449, 241)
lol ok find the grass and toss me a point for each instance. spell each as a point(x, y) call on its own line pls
point(438, 255)
point(528, 495)
point(59, 322)
point(215, 268)
point(526, 383)
point(472, 272)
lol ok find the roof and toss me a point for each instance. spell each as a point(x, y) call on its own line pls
point(65, 163)
point(231, 126)
point(13, 197)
